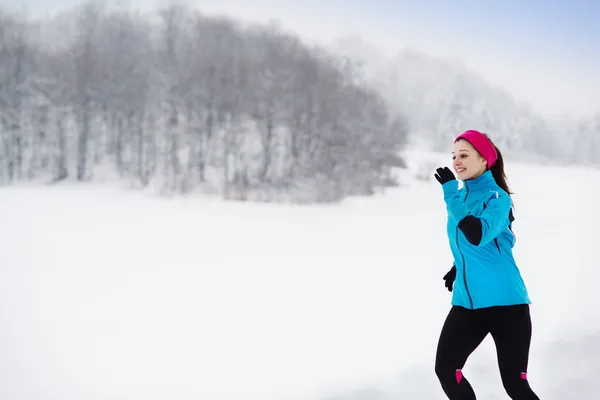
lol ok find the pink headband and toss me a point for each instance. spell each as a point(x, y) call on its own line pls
point(482, 144)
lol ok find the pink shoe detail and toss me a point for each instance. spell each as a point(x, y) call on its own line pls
point(459, 375)
point(524, 375)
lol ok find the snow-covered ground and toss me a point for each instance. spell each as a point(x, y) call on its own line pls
point(107, 294)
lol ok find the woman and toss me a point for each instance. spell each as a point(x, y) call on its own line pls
point(489, 295)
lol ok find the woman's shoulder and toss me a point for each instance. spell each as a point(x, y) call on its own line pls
point(497, 191)
point(497, 195)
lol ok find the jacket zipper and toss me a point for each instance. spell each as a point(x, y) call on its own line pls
point(463, 256)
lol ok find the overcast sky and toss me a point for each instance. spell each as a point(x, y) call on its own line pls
point(542, 51)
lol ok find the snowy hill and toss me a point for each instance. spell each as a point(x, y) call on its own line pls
point(441, 97)
point(109, 295)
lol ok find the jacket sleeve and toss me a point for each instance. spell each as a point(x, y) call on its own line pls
point(484, 228)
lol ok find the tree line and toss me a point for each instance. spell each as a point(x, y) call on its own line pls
point(180, 102)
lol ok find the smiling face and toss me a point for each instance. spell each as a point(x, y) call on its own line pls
point(467, 162)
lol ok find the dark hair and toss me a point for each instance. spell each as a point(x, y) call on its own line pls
point(498, 171)
point(499, 174)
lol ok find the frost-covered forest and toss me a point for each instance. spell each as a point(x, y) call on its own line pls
point(179, 101)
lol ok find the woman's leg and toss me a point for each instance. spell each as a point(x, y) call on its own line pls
point(461, 334)
point(510, 328)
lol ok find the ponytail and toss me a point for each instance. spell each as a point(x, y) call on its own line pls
point(498, 172)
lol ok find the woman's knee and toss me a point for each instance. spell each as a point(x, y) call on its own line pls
point(447, 373)
point(517, 387)
point(442, 371)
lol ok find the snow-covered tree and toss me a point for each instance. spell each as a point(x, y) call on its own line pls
point(180, 101)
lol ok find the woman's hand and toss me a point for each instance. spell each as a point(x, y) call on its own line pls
point(444, 175)
point(449, 278)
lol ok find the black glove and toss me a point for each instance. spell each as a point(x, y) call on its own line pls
point(450, 277)
point(444, 175)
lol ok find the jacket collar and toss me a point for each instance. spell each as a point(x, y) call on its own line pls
point(484, 181)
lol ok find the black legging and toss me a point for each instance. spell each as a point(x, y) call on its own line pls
point(463, 332)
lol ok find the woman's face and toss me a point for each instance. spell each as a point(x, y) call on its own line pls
point(467, 162)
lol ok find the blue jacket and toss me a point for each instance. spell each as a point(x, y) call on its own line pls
point(486, 272)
